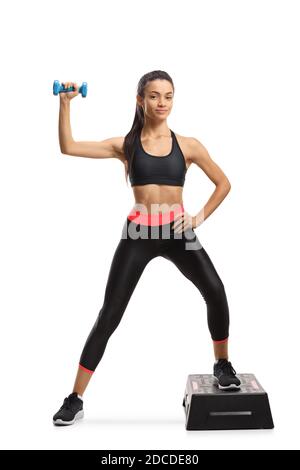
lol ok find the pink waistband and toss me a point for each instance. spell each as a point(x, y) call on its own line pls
point(155, 219)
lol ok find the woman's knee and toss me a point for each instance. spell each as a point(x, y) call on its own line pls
point(216, 291)
point(109, 316)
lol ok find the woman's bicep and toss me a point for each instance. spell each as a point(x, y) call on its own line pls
point(201, 157)
point(107, 148)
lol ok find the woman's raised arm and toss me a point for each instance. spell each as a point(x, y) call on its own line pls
point(108, 148)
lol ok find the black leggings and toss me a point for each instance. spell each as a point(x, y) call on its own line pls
point(138, 245)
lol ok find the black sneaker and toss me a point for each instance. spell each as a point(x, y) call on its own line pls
point(70, 411)
point(225, 376)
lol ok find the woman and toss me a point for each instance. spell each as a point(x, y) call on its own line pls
point(156, 160)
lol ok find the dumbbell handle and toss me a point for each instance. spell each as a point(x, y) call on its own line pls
point(58, 88)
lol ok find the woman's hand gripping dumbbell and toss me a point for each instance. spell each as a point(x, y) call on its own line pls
point(68, 90)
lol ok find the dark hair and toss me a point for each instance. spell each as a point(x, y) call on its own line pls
point(138, 121)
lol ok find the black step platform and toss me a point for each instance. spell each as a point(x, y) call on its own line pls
point(207, 407)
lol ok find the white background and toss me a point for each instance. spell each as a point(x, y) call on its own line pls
point(236, 73)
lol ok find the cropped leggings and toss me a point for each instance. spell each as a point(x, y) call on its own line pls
point(143, 238)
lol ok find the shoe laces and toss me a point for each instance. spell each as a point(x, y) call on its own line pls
point(66, 404)
point(226, 366)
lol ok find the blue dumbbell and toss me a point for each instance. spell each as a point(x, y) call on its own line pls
point(58, 88)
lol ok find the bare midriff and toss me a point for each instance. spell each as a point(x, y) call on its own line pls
point(156, 203)
point(154, 198)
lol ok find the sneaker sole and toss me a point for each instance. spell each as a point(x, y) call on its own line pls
point(222, 387)
point(60, 422)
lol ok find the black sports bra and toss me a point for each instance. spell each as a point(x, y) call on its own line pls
point(150, 169)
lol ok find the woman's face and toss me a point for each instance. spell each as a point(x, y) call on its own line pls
point(158, 99)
